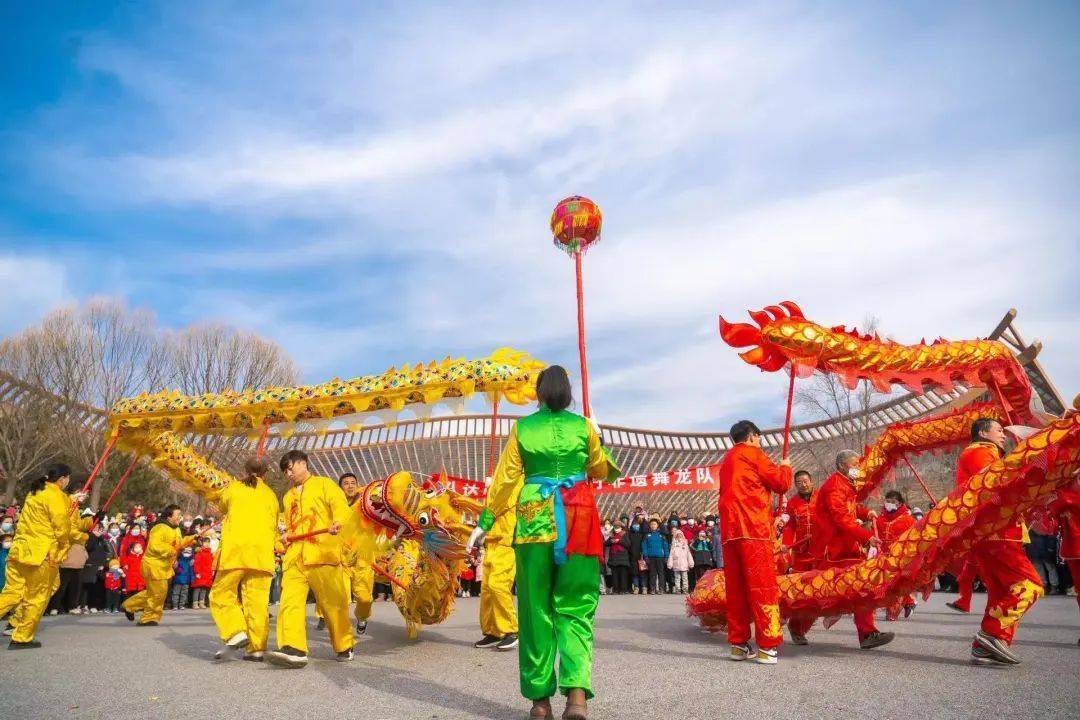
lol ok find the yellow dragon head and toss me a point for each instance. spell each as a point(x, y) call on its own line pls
point(427, 512)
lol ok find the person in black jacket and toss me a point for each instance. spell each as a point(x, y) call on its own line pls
point(639, 571)
point(98, 555)
point(618, 552)
point(703, 557)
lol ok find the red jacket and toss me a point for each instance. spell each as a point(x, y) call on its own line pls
point(891, 525)
point(204, 568)
point(797, 529)
point(747, 480)
point(975, 458)
point(131, 564)
point(835, 516)
point(1067, 509)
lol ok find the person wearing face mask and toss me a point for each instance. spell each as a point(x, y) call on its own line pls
point(748, 479)
point(40, 543)
point(1012, 583)
point(712, 527)
point(181, 582)
point(837, 542)
point(796, 531)
point(893, 522)
point(639, 567)
point(6, 536)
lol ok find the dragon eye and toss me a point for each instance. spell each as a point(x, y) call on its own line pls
point(423, 520)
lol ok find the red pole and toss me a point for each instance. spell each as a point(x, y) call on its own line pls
point(919, 478)
point(787, 426)
point(100, 462)
point(120, 482)
point(494, 424)
point(262, 439)
point(382, 571)
point(306, 536)
point(581, 338)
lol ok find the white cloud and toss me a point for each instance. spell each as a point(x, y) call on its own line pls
point(31, 286)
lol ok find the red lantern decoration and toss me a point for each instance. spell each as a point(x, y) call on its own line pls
point(575, 224)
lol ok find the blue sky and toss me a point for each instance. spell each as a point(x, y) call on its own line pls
point(371, 184)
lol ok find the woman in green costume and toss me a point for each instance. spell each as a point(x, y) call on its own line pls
point(546, 474)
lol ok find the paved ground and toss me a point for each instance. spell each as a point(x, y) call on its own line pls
point(651, 662)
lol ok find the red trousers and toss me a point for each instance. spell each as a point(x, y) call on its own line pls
point(864, 619)
point(752, 595)
point(1012, 585)
point(966, 583)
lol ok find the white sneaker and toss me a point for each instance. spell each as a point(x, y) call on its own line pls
point(93, 611)
point(53, 612)
point(765, 657)
point(8, 630)
point(739, 653)
point(74, 611)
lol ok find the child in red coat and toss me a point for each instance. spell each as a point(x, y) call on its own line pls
point(114, 586)
point(131, 564)
point(204, 574)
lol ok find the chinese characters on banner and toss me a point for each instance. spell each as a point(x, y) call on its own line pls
point(695, 478)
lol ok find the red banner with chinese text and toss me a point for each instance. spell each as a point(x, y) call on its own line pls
point(695, 478)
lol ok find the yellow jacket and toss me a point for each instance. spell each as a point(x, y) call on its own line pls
point(357, 540)
point(80, 526)
point(43, 533)
point(249, 529)
point(162, 547)
point(315, 505)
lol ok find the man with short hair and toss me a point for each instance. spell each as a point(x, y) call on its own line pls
point(796, 518)
point(748, 479)
point(162, 546)
point(837, 543)
point(312, 503)
point(357, 553)
point(1012, 584)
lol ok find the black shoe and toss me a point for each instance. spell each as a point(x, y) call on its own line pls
point(23, 645)
point(287, 656)
point(321, 625)
point(999, 649)
point(487, 641)
point(361, 627)
point(152, 623)
point(345, 655)
point(876, 639)
point(908, 611)
point(256, 656)
point(508, 643)
point(956, 607)
point(130, 616)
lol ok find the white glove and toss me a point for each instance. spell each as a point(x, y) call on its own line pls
point(476, 538)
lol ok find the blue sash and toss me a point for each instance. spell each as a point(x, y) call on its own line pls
point(549, 487)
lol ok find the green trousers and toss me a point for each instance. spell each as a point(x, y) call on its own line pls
point(556, 605)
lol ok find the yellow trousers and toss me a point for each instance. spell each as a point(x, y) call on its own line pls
point(29, 588)
point(362, 580)
point(497, 614)
point(151, 601)
point(248, 613)
point(331, 598)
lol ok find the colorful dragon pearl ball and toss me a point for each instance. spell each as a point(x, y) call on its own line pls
point(575, 224)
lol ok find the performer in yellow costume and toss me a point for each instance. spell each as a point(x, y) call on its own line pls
point(245, 563)
point(358, 554)
point(498, 618)
point(312, 563)
point(42, 538)
point(162, 546)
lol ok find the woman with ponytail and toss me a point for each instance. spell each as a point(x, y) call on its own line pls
point(41, 541)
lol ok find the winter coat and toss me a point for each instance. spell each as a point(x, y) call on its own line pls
point(702, 552)
point(680, 559)
point(655, 545)
point(184, 569)
point(636, 539)
point(618, 547)
point(717, 549)
point(3, 565)
point(76, 558)
point(114, 579)
point(98, 555)
point(204, 568)
point(133, 578)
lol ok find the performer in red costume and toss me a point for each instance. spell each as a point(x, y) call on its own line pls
point(1012, 584)
point(837, 543)
point(747, 481)
point(965, 583)
point(796, 517)
point(891, 524)
point(1066, 508)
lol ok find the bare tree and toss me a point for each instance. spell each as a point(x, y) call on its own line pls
point(27, 440)
point(215, 357)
